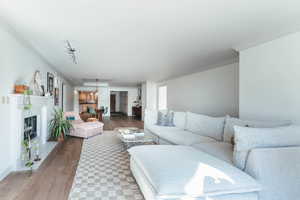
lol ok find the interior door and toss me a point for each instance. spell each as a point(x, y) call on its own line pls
point(62, 96)
point(112, 103)
point(126, 102)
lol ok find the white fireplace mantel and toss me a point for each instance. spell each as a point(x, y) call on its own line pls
point(42, 107)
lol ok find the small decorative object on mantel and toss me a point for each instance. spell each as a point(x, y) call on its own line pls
point(20, 89)
point(50, 83)
point(43, 90)
point(47, 94)
point(36, 84)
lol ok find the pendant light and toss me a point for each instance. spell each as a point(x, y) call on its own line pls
point(97, 88)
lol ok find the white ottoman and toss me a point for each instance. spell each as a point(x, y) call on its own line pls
point(87, 129)
point(166, 172)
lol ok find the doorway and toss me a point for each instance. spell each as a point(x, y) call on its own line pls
point(118, 103)
point(112, 103)
point(63, 97)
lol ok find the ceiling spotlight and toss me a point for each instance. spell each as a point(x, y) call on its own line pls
point(71, 51)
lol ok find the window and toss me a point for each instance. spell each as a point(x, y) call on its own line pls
point(162, 97)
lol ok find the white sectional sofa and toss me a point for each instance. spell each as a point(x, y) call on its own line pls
point(185, 131)
point(198, 162)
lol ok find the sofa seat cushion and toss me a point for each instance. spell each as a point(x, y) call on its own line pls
point(221, 150)
point(179, 136)
point(184, 172)
point(160, 130)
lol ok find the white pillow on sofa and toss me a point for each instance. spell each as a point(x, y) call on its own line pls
point(231, 122)
point(247, 139)
point(205, 125)
point(179, 118)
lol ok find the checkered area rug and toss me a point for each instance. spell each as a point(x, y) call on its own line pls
point(103, 172)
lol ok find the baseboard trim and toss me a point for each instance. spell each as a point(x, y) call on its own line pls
point(5, 173)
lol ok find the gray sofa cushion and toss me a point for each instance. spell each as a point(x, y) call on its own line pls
point(178, 136)
point(184, 172)
point(221, 150)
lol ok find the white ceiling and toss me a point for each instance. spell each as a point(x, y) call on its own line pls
point(130, 41)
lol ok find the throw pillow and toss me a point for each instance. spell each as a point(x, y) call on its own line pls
point(247, 139)
point(232, 138)
point(166, 119)
point(91, 110)
point(231, 122)
point(71, 118)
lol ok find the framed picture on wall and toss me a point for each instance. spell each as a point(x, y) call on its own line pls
point(50, 83)
point(56, 96)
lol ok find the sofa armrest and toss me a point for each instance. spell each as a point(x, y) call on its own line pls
point(277, 170)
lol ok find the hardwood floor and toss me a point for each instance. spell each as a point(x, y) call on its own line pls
point(122, 121)
point(53, 180)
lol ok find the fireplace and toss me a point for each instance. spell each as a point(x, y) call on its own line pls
point(30, 127)
point(34, 122)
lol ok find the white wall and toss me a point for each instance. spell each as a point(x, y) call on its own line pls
point(68, 98)
point(143, 98)
point(270, 80)
point(18, 62)
point(151, 95)
point(213, 92)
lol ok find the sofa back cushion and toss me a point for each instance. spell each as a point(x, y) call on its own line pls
point(231, 122)
point(205, 125)
point(247, 139)
point(180, 119)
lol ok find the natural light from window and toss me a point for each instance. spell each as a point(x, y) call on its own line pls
point(162, 97)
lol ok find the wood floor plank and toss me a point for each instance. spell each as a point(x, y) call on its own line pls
point(54, 179)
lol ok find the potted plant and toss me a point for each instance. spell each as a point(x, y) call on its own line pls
point(59, 126)
point(28, 154)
